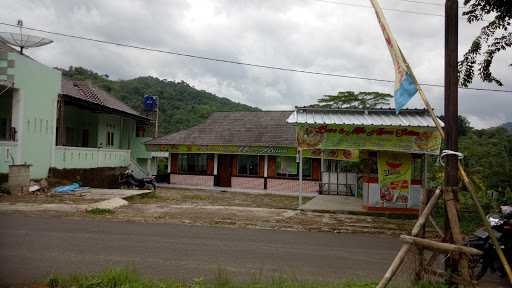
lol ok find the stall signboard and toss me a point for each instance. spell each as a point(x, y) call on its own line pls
point(404, 139)
point(338, 154)
point(394, 178)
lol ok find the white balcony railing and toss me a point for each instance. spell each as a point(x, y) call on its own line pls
point(79, 157)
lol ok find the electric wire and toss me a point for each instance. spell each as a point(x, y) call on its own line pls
point(248, 64)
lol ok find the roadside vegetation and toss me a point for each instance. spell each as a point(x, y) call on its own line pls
point(487, 160)
point(127, 278)
point(100, 211)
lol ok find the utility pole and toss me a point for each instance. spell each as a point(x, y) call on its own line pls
point(459, 263)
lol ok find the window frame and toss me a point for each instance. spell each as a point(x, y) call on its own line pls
point(307, 164)
point(248, 168)
point(197, 160)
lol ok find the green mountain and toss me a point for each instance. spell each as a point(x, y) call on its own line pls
point(181, 105)
point(507, 126)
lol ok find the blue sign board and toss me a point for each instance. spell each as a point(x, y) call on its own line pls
point(150, 103)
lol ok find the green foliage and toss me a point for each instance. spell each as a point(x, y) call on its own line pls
point(463, 125)
point(127, 278)
point(358, 100)
point(100, 211)
point(181, 105)
point(494, 38)
point(488, 160)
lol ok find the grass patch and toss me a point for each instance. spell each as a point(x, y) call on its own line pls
point(129, 278)
point(146, 197)
point(100, 211)
point(195, 197)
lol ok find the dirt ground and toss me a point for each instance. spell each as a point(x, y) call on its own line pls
point(261, 218)
point(46, 198)
point(213, 208)
point(217, 198)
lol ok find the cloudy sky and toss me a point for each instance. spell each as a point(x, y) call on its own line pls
point(304, 34)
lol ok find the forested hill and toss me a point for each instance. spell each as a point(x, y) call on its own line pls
point(181, 105)
point(507, 126)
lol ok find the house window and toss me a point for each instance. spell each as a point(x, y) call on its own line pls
point(247, 165)
point(289, 167)
point(110, 139)
point(70, 137)
point(193, 163)
point(85, 138)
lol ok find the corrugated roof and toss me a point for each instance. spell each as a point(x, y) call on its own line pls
point(84, 90)
point(237, 128)
point(388, 117)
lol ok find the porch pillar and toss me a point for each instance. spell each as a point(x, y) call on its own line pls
point(265, 170)
point(300, 178)
point(215, 163)
point(169, 161)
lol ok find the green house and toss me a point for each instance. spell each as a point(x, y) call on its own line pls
point(47, 121)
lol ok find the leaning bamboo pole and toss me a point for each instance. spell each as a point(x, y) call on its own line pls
point(470, 187)
point(393, 268)
point(405, 248)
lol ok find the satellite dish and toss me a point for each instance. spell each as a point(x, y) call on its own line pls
point(23, 40)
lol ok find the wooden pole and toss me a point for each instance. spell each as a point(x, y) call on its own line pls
point(440, 246)
point(399, 259)
point(487, 226)
point(451, 177)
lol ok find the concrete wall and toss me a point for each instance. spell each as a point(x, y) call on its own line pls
point(7, 153)
point(292, 186)
point(192, 180)
point(36, 89)
point(248, 183)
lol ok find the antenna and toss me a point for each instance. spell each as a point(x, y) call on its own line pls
point(23, 40)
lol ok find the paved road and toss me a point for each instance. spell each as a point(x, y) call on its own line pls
point(31, 248)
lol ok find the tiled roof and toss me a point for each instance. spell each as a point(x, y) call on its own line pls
point(237, 128)
point(83, 90)
point(4, 48)
point(406, 117)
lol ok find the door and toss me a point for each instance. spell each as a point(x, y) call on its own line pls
point(337, 179)
point(224, 170)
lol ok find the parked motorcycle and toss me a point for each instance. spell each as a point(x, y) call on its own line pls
point(502, 228)
point(128, 180)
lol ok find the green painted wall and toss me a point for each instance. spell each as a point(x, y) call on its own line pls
point(37, 86)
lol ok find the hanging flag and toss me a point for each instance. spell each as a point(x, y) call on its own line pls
point(405, 82)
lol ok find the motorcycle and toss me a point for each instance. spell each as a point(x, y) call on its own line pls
point(128, 180)
point(502, 228)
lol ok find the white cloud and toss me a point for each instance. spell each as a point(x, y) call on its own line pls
point(303, 34)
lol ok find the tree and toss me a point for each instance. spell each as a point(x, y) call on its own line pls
point(463, 125)
point(494, 38)
point(359, 100)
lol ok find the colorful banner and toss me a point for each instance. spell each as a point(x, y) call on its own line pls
point(338, 154)
point(405, 82)
point(404, 139)
point(394, 178)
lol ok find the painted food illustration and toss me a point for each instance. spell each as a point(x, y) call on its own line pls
point(394, 165)
point(309, 138)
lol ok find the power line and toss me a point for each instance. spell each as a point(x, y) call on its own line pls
point(388, 9)
point(287, 69)
point(393, 9)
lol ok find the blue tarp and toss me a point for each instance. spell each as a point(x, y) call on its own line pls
point(68, 188)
